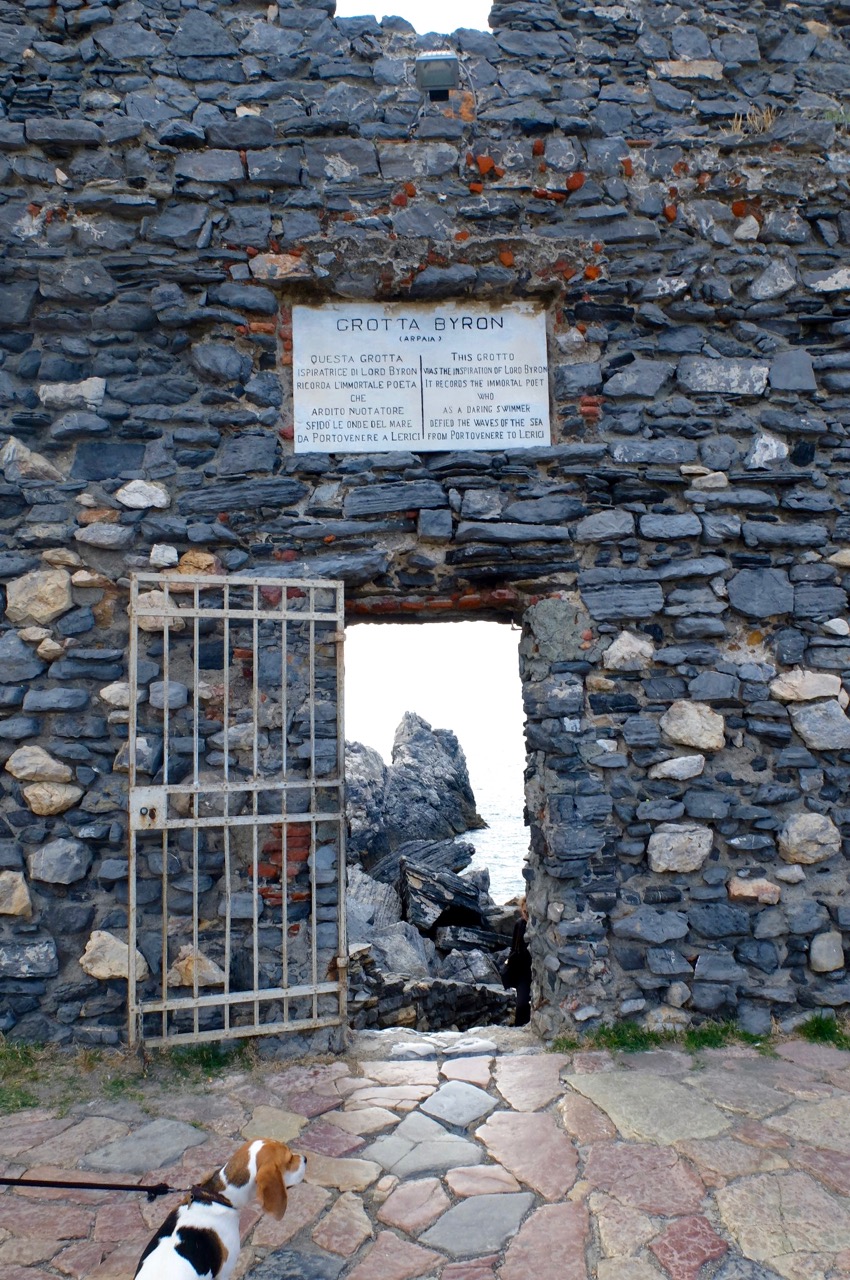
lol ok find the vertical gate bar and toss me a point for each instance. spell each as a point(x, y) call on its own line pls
point(166, 677)
point(166, 744)
point(313, 799)
point(342, 938)
point(228, 869)
point(196, 743)
point(196, 600)
point(163, 928)
point(134, 1028)
point(195, 913)
point(226, 699)
point(284, 807)
point(255, 700)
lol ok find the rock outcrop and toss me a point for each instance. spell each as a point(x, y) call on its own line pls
point(424, 942)
point(424, 794)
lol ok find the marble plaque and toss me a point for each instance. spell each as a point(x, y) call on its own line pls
point(397, 376)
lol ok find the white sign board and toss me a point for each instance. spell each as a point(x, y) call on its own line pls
point(397, 376)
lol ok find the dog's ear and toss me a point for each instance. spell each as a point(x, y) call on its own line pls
point(271, 1189)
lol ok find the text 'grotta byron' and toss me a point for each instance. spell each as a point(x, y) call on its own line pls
point(369, 377)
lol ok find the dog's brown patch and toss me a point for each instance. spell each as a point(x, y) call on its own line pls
point(274, 1161)
point(237, 1171)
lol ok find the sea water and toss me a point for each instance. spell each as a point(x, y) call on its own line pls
point(502, 845)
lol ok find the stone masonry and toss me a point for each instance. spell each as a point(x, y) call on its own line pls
point(670, 182)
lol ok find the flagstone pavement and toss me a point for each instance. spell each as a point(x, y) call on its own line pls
point(469, 1157)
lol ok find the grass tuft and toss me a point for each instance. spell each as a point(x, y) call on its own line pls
point(565, 1044)
point(629, 1037)
point(116, 1087)
point(210, 1058)
point(757, 120)
point(711, 1035)
point(622, 1037)
point(19, 1068)
point(820, 1029)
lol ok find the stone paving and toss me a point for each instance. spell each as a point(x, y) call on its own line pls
point(460, 1157)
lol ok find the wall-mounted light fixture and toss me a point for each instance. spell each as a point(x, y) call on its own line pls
point(437, 73)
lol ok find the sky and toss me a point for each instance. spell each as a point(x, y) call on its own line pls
point(443, 16)
point(462, 676)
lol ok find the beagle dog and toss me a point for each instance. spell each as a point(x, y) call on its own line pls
point(200, 1239)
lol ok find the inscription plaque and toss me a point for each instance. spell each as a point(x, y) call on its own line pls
point(381, 377)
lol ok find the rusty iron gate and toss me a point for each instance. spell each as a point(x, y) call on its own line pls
point(236, 768)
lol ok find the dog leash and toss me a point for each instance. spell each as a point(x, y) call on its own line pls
point(152, 1192)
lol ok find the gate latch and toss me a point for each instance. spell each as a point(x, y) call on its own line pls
point(148, 808)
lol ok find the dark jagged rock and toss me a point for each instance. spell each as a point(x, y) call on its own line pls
point(424, 794)
point(431, 899)
point(466, 938)
point(437, 855)
point(429, 1005)
point(470, 966)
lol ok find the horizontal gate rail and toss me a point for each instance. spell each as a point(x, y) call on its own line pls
point(268, 993)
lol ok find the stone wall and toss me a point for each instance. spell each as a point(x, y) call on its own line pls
point(671, 183)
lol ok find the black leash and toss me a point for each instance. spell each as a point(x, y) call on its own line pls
point(152, 1192)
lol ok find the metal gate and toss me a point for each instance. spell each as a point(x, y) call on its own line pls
point(236, 761)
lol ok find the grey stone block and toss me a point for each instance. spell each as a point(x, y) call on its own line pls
point(761, 593)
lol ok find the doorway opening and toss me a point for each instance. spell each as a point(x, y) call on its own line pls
point(460, 676)
point(435, 762)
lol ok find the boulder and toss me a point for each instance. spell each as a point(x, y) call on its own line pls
point(758, 889)
point(429, 1004)
point(39, 596)
point(628, 652)
point(371, 905)
point(17, 463)
point(14, 894)
point(17, 661)
point(679, 768)
point(49, 798)
point(809, 838)
point(649, 924)
point(826, 952)
point(470, 966)
point(804, 686)
point(60, 861)
point(677, 846)
point(193, 966)
point(365, 784)
point(667, 1018)
point(400, 948)
point(139, 495)
point(87, 394)
point(152, 621)
point(458, 937)
point(106, 957)
point(117, 694)
point(693, 724)
point(34, 764)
